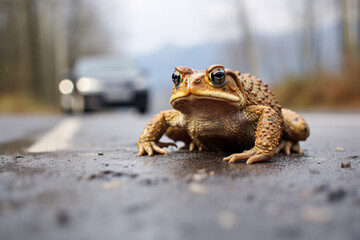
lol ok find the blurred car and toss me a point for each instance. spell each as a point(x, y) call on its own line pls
point(97, 82)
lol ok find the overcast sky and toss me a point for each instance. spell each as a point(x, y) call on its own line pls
point(144, 26)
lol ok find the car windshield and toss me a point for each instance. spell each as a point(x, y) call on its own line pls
point(104, 67)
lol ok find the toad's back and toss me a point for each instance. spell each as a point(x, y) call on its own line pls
point(257, 92)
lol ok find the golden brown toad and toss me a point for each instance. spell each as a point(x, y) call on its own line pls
point(219, 109)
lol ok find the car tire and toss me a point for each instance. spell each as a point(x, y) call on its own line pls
point(141, 103)
point(92, 103)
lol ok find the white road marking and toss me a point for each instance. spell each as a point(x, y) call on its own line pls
point(58, 138)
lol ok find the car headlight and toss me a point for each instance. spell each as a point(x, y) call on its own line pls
point(66, 86)
point(88, 85)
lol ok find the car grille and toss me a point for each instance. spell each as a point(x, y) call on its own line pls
point(117, 85)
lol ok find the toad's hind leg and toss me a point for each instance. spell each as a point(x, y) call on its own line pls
point(295, 129)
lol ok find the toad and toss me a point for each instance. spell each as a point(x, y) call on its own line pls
point(222, 110)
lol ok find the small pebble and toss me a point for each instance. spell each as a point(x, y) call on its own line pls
point(198, 188)
point(314, 171)
point(197, 177)
point(305, 194)
point(62, 217)
point(201, 171)
point(148, 182)
point(250, 197)
point(100, 153)
point(345, 165)
point(340, 149)
point(227, 220)
point(321, 188)
point(111, 185)
point(337, 195)
point(316, 214)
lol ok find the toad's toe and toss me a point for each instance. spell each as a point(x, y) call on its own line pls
point(288, 147)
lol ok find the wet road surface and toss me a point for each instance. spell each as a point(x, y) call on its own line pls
point(95, 186)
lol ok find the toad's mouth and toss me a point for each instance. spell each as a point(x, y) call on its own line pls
point(204, 104)
point(206, 95)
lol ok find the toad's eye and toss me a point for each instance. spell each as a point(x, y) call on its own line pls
point(176, 77)
point(218, 77)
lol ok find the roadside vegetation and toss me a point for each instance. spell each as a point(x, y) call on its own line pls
point(25, 103)
point(323, 90)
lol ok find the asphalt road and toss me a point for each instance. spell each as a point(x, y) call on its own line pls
point(90, 184)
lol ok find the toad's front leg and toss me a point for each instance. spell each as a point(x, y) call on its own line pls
point(267, 135)
point(154, 130)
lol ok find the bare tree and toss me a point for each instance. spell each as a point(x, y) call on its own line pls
point(39, 38)
point(350, 26)
point(306, 19)
point(85, 33)
point(308, 38)
point(244, 52)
